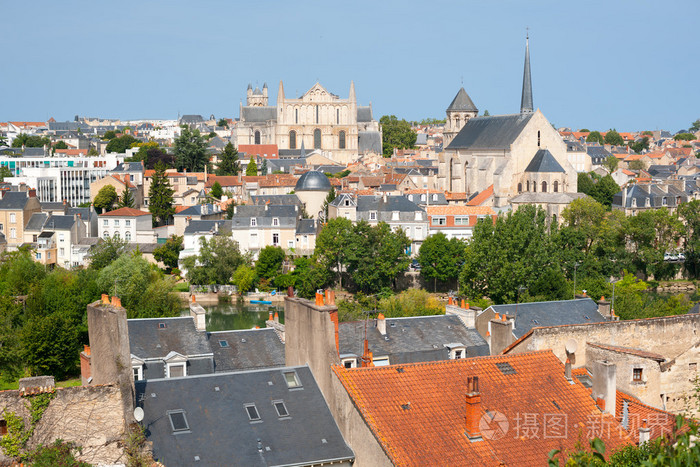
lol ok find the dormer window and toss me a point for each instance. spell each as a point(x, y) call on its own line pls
point(373, 215)
point(419, 216)
point(435, 197)
point(410, 197)
point(664, 201)
point(347, 202)
point(253, 222)
point(634, 202)
point(275, 222)
point(647, 202)
point(395, 215)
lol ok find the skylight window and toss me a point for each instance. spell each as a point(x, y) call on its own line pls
point(252, 412)
point(178, 421)
point(292, 379)
point(505, 368)
point(281, 409)
point(161, 325)
point(223, 343)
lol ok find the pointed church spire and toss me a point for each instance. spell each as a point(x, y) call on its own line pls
point(526, 100)
point(280, 94)
point(351, 97)
point(302, 151)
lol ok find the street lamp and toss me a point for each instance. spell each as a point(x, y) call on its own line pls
point(612, 305)
point(576, 265)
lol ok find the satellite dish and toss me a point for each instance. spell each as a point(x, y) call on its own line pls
point(138, 414)
point(571, 346)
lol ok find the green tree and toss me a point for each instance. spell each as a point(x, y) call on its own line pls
point(126, 200)
point(30, 141)
point(228, 161)
point(109, 135)
point(190, 151)
point(331, 246)
point(637, 165)
point(396, 134)
point(684, 137)
point(60, 145)
point(595, 137)
point(649, 235)
point(218, 259)
point(105, 252)
point(611, 163)
point(689, 213)
point(695, 126)
point(121, 144)
point(106, 198)
point(263, 167)
point(222, 122)
point(243, 278)
point(641, 145)
point(160, 196)
point(216, 191)
point(169, 252)
point(252, 169)
point(486, 113)
point(269, 263)
point(92, 152)
point(602, 189)
point(4, 173)
point(309, 276)
point(441, 259)
point(614, 138)
point(51, 345)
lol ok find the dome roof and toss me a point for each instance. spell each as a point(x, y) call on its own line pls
point(313, 180)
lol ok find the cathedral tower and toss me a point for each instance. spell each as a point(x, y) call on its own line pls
point(458, 114)
point(526, 106)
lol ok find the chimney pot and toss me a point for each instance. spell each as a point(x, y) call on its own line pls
point(381, 324)
point(194, 300)
point(450, 301)
point(605, 385)
point(466, 306)
point(105, 299)
point(503, 318)
point(116, 302)
point(276, 317)
point(497, 317)
point(473, 409)
point(86, 349)
point(567, 369)
point(269, 318)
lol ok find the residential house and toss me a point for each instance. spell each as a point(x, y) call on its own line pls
point(457, 221)
point(54, 237)
point(131, 225)
point(16, 208)
point(640, 197)
point(197, 212)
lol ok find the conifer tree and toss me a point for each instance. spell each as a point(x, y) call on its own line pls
point(161, 196)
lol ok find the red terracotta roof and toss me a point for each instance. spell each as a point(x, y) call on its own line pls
point(455, 195)
point(264, 150)
point(460, 210)
point(659, 421)
point(481, 197)
point(126, 212)
point(417, 412)
point(224, 180)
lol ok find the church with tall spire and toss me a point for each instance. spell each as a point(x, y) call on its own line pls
point(318, 120)
point(515, 159)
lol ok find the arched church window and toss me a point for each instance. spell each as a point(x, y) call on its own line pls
point(317, 138)
point(538, 139)
point(544, 187)
point(556, 186)
point(316, 114)
point(296, 116)
point(534, 187)
point(554, 218)
point(341, 140)
point(337, 115)
point(292, 139)
point(257, 137)
point(520, 187)
point(528, 185)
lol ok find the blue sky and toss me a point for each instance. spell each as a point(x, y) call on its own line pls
point(629, 65)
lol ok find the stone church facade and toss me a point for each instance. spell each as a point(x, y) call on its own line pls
point(519, 154)
point(319, 120)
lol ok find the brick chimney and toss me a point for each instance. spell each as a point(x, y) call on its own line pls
point(501, 334)
point(644, 432)
point(381, 324)
point(604, 307)
point(473, 411)
point(604, 390)
point(199, 314)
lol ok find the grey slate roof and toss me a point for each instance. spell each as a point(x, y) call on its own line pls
point(598, 154)
point(370, 141)
point(36, 222)
point(197, 226)
point(128, 167)
point(57, 206)
point(191, 119)
point(544, 161)
point(393, 203)
point(556, 313)
point(364, 114)
point(148, 340)
point(258, 114)
point(414, 339)
point(200, 210)
point(313, 180)
point(331, 169)
point(651, 193)
point(219, 430)
point(14, 200)
point(574, 146)
point(306, 227)
point(462, 102)
point(287, 216)
point(493, 132)
point(246, 349)
point(59, 223)
point(282, 200)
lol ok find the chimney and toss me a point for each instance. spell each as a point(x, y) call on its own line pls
point(199, 314)
point(32, 192)
point(605, 385)
point(604, 307)
point(381, 324)
point(269, 318)
point(367, 360)
point(276, 318)
point(644, 432)
point(319, 299)
point(501, 334)
point(473, 412)
point(567, 370)
point(450, 301)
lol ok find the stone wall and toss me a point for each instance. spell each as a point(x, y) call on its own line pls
point(89, 416)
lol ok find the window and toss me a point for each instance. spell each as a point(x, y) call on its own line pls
point(350, 363)
point(317, 139)
point(462, 220)
point(439, 220)
point(528, 185)
point(127, 223)
point(116, 234)
point(382, 361)
point(520, 187)
point(13, 232)
point(138, 372)
point(178, 421)
point(316, 114)
point(290, 244)
point(13, 218)
point(341, 140)
point(634, 202)
point(38, 256)
point(292, 139)
point(538, 139)
point(418, 216)
point(419, 233)
point(395, 215)
point(337, 116)
point(280, 408)
point(373, 215)
point(544, 187)
point(275, 222)
point(105, 234)
point(3, 427)
point(275, 239)
point(292, 380)
point(161, 325)
point(223, 343)
point(693, 366)
point(637, 375)
point(253, 222)
point(254, 240)
point(116, 222)
point(1, 228)
point(62, 252)
point(296, 115)
point(664, 201)
point(176, 370)
point(48, 255)
point(435, 197)
point(556, 186)
point(252, 412)
point(61, 237)
point(257, 137)
point(127, 236)
point(105, 222)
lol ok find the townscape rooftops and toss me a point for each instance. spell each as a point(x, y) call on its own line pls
point(414, 427)
point(493, 132)
point(216, 406)
point(157, 337)
point(414, 339)
point(246, 349)
point(14, 200)
point(553, 313)
point(125, 212)
point(258, 114)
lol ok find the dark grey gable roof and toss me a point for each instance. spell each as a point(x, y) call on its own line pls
point(462, 102)
point(283, 200)
point(192, 118)
point(246, 349)
point(148, 340)
point(364, 114)
point(370, 141)
point(196, 226)
point(14, 200)
point(219, 430)
point(258, 114)
point(306, 227)
point(392, 203)
point(36, 222)
point(544, 161)
point(415, 339)
point(59, 223)
point(287, 216)
point(497, 132)
point(556, 313)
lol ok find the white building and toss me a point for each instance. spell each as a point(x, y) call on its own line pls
point(128, 224)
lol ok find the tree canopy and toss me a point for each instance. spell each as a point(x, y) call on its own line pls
point(218, 259)
point(602, 189)
point(684, 137)
point(269, 263)
point(160, 195)
point(106, 198)
point(396, 134)
point(614, 138)
point(169, 252)
point(190, 151)
point(216, 191)
point(595, 137)
point(222, 122)
point(30, 141)
point(441, 259)
point(611, 163)
point(121, 144)
point(228, 161)
point(126, 200)
point(60, 145)
point(252, 169)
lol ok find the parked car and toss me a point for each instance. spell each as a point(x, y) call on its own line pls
point(415, 265)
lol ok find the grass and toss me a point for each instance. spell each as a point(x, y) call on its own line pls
point(182, 287)
point(7, 385)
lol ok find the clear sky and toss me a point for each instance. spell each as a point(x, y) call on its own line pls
point(624, 64)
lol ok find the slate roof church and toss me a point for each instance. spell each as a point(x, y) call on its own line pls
point(516, 154)
point(319, 119)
